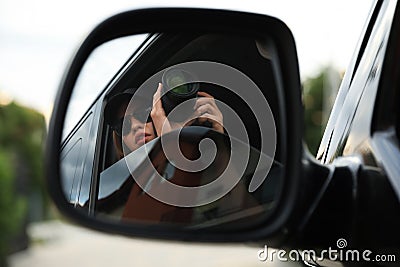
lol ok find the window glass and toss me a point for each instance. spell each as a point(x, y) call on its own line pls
point(101, 66)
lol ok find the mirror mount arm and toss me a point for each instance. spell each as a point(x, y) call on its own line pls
point(327, 208)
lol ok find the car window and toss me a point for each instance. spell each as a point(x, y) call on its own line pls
point(371, 22)
point(73, 159)
point(386, 110)
point(101, 66)
point(347, 80)
point(367, 80)
point(353, 106)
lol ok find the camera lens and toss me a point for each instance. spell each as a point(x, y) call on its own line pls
point(178, 87)
point(177, 80)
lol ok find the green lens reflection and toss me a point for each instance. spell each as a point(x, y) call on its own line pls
point(176, 80)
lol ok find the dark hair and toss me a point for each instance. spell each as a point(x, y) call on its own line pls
point(118, 145)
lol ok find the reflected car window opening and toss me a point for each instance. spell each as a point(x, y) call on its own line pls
point(191, 134)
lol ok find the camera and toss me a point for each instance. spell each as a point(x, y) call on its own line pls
point(178, 87)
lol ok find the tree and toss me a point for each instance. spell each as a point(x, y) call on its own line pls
point(318, 98)
point(12, 207)
point(22, 132)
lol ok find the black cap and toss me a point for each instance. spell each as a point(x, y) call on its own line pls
point(113, 106)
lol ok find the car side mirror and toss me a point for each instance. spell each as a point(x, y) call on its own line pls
point(220, 164)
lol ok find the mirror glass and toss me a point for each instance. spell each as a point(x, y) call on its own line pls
point(177, 129)
point(103, 63)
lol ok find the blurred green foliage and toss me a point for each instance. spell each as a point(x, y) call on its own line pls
point(22, 132)
point(12, 207)
point(318, 98)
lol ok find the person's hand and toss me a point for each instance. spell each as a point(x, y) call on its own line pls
point(207, 110)
point(158, 116)
point(160, 121)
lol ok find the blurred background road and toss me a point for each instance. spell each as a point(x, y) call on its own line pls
point(60, 244)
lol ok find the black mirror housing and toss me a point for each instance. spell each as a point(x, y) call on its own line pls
point(276, 227)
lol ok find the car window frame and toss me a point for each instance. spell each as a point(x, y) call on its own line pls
point(345, 113)
point(325, 144)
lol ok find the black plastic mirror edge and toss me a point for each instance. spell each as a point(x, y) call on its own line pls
point(163, 20)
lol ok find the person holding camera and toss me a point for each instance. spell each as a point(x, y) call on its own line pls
point(135, 124)
point(206, 112)
point(138, 116)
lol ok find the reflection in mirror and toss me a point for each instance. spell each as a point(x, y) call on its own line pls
point(133, 189)
point(101, 66)
point(188, 133)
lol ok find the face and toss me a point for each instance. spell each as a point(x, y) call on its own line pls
point(139, 134)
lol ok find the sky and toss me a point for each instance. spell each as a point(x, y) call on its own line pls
point(38, 38)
